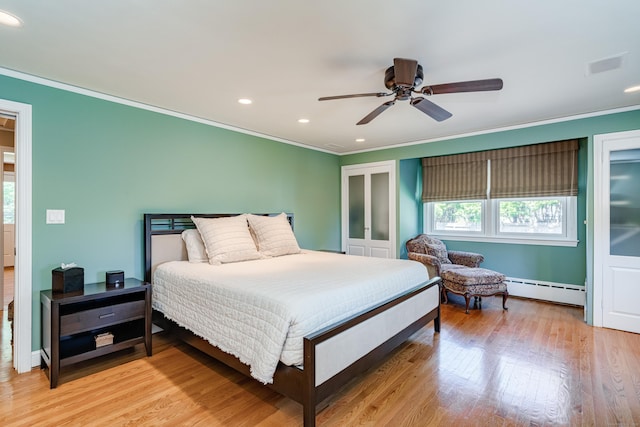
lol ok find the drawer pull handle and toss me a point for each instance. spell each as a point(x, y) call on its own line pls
point(104, 316)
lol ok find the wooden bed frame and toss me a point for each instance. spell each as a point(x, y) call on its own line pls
point(330, 358)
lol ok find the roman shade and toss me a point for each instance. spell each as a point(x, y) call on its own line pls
point(457, 177)
point(538, 170)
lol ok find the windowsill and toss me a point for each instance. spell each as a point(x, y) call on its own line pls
point(507, 240)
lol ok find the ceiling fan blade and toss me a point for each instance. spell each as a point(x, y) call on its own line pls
point(405, 71)
point(430, 109)
point(470, 86)
point(355, 95)
point(375, 113)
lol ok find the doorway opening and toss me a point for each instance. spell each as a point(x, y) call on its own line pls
point(23, 356)
point(7, 240)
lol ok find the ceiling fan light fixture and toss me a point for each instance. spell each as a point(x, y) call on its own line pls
point(10, 20)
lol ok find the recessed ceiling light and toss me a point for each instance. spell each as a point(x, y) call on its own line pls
point(632, 89)
point(303, 120)
point(245, 101)
point(360, 139)
point(8, 19)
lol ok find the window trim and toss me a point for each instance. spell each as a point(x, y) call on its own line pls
point(490, 225)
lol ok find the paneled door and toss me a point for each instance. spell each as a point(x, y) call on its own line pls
point(369, 209)
point(9, 245)
point(617, 231)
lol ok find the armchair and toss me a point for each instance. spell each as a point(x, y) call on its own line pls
point(434, 255)
point(460, 271)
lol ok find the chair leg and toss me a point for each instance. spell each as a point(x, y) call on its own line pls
point(444, 295)
point(467, 297)
point(505, 295)
point(477, 302)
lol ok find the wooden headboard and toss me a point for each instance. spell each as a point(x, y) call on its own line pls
point(163, 240)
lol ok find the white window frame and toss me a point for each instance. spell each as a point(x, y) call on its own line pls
point(490, 225)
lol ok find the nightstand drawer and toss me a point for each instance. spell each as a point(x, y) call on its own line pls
point(101, 317)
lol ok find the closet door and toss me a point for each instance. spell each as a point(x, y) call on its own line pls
point(368, 210)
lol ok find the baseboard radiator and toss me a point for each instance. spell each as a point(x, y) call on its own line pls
point(547, 291)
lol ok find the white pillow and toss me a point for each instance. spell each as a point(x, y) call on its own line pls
point(227, 239)
point(273, 235)
point(195, 246)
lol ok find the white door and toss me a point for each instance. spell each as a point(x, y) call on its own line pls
point(369, 210)
point(617, 231)
point(8, 184)
point(9, 245)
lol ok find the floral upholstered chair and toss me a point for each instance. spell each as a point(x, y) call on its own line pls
point(434, 255)
point(460, 271)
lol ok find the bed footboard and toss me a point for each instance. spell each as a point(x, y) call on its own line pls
point(335, 355)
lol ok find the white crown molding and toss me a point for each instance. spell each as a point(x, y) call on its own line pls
point(75, 89)
point(81, 91)
point(505, 128)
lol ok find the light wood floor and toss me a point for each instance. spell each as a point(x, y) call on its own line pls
point(538, 364)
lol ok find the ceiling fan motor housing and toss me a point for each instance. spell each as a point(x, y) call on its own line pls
point(390, 78)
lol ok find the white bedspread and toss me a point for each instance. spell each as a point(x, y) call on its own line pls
point(259, 311)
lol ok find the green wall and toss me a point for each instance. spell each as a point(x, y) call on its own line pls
point(555, 264)
point(106, 164)
point(409, 194)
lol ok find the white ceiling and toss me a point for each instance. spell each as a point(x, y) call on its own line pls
point(199, 57)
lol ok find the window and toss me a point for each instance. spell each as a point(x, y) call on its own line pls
point(530, 216)
point(463, 217)
point(517, 195)
point(549, 221)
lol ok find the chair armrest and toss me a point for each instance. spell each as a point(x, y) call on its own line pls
point(469, 259)
point(427, 260)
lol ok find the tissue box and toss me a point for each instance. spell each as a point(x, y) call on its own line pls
point(67, 280)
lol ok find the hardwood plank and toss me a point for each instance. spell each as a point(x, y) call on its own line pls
point(537, 364)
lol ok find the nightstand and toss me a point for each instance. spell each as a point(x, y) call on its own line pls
point(72, 321)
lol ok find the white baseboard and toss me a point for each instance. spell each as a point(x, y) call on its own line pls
point(547, 291)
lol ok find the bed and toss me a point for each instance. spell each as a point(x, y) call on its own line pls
point(304, 357)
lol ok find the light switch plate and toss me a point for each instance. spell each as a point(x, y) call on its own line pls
point(55, 216)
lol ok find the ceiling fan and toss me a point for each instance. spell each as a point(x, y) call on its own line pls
point(403, 77)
